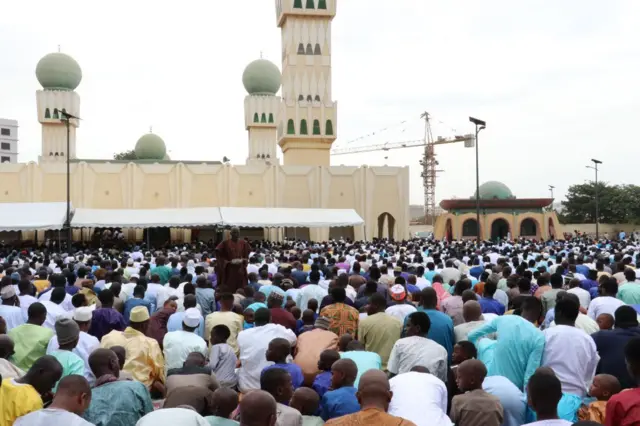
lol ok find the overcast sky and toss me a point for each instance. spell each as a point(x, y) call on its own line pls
point(557, 82)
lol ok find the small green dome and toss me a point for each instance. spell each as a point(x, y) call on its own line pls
point(150, 147)
point(494, 190)
point(58, 71)
point(261, 77)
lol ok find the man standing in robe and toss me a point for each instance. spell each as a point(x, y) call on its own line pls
point(232, 257)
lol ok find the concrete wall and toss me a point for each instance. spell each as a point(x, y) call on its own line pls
point(590, 228)
point(148, 186)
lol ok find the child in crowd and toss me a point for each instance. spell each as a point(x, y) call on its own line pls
point(222, 358)
point(605, 321)
point(475, 406)
point(568, 406)
point(313, 305)
point(307, 402)
point(623, 408)
point(121, 353)
point(277, 382)
point(322, 382)
point(297, 313)
point(307, 322)
point(341, 400)
point(544, 393)
point(277, 352)
point(462, 351)
point(224, 401)
point(248, 318)
point(604, 386)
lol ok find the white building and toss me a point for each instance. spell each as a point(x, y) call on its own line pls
point(8, 141)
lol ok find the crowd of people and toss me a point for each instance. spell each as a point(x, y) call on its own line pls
point(419, 332)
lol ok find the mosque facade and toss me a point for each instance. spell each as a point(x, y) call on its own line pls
point(302, 120)
point(502, 215)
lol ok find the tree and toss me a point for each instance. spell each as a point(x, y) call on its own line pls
point(125, 155)
point(617, 203)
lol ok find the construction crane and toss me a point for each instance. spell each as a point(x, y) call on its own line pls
point(428, 161)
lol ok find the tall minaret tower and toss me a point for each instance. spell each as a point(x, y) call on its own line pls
point(261, 79)
point(308, 116)
point(59, 75)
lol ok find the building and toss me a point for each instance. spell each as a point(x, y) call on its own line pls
point(502, 215)
point(302, 121)
point(8, 141)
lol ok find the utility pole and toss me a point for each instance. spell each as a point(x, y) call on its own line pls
point(428, 172)
point(66, 119)
point(597, 218)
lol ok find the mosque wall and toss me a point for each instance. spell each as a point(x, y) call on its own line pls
point(371, 191)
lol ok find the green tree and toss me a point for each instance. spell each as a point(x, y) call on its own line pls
point(125, 155)
point(617, 203)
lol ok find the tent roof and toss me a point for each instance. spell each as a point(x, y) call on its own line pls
point(146, 218)
point(259, 217)
point(32, 216)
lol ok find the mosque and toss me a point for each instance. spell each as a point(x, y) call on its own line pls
point(502, 215)
point(302, 120)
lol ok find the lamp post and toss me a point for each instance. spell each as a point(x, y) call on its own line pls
point(480, 125)
point(595, 167)
point(551, 188)
point(67, 222)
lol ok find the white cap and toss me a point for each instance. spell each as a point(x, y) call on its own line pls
point(82, 314)
point(135, 276)
point(191, 317)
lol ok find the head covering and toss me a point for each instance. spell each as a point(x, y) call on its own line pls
point(83, 314)
point(398, 292)
point(191, 317)
point(276, 297)
point(130, 262)
point(7, 292)
point(323, 323)
point(15, 276)
point(139, 314)
point(287, 283)
point(67, 330)
point(397, 269)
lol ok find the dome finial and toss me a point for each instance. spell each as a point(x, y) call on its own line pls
point(58, 48)
point(150, 129)
point(261, 54)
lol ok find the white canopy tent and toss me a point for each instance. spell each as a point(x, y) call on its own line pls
point(259, 217)
point(147, 218)
point(32, 216)
point(252, 217)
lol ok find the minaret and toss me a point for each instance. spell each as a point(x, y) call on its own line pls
point(308, 116)
point(59, 74)
point(261, 79)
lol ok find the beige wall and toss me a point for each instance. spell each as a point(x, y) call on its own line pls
point(147, 186)
point(611, 228)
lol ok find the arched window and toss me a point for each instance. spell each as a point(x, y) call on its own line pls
point(328, 128)
point(291, 127)
point(263, 118)
point(256, 118)
point(317, 98)
point(309, 98)
point(55, 113)
point(311, 4)
point(317, 51)
point(297, 4)
point(270, 117)
point(470, 228)
point(303, 127)
point(309, 50)
point(301, 49)
point(300, 98)
point(316, 127)
point(322, 4)
point(47, 113)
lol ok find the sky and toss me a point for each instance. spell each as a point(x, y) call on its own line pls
point(556, 82)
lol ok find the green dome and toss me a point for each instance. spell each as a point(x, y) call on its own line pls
point(261, 77)
point(58, 71)
point(494, 190)
point(150, 147)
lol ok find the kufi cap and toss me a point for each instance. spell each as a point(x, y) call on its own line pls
point(7, 292)
point(191, 317)
point(83, 314)
point(139, 314)
point(398, 292)
point(276, 297)
point(67, 330)
point(323, 323)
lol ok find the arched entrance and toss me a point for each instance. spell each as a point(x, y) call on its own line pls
point(528, 228)
point(470, 228)
point(499, 229)
point(342, 232)
point(391, 224)
point(448, 232)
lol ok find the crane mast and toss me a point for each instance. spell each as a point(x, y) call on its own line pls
point(428, 161)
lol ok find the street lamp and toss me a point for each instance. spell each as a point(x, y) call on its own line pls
point(480, 125)
point(595, 167)
point(67, 222)
point(551, 188)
